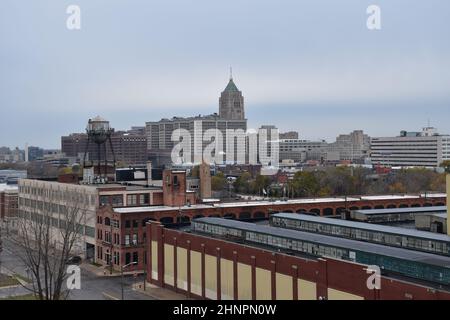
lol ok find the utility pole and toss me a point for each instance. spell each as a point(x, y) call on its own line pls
point(121, 274)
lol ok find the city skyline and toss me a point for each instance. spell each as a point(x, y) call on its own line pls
point(312, 68)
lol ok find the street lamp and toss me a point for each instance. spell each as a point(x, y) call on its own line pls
point(121, 273)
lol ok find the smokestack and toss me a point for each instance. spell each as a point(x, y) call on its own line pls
point(205, 181)
point(448, 204)
point(149, 173)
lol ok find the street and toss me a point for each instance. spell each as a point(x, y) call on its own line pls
point(93, 287)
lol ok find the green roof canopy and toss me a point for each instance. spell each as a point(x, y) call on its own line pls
point(231, 86)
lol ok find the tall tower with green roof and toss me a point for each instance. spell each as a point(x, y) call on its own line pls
point(231, 102)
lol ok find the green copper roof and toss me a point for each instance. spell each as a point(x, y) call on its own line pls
point(231, 86)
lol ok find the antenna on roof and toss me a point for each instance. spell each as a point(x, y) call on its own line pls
point(231, 73)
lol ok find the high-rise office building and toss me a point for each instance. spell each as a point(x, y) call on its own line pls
point(231, 103)
point(353, 147)
point(34, 153)
point(230, 121)
point(415, 149)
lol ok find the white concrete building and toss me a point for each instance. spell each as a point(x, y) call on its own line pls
point(37, 197)
point(411, 149)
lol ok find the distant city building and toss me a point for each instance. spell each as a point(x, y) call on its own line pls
point(353, 147)
point(231, 103)
point(289, 135)
point(35, 153)
point(231, 117)
point(415, 149)
point(301, 150)
point(137, 130)
point(267, 146)
point(11, 156)
point(130, 147)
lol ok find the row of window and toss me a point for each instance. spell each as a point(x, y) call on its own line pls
point(415, 269)
point(59, 195)
point(114, 238)
point(128, 223)
point(218, 230)
point(55, 222)
point(284, 243)
point(409, 242)
point(132, 200)
point(108, 222)
point(314, 249)
point(129, 257)
point(49, 207)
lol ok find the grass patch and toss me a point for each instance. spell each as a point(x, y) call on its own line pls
point(7, 281)
point(25, 297)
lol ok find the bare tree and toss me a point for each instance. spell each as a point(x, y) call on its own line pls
point(47, 241)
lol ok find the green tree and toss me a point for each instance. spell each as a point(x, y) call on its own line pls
point(305, 184)
point(260, 183)
point(339, 180)
point(218, 182)
point(242, 183)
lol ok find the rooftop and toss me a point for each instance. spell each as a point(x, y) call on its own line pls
point(272, 203)
point(133, 187)
point(231, 86)
point(210, 117)
point(366, 226)
point(346, 244)
point(434, 209)
point(7, 187)
point(440, 215)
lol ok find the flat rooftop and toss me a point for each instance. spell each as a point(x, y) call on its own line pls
point(435, 209)
point(342, 243)
point(389, 197)
point(133, 187)
point(8, 187)
point(439, 215)
point(243, 204)
point(366, 226)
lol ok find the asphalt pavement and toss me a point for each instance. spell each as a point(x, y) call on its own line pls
point(93, 287)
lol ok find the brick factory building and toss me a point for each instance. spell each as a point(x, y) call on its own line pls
point(126, 236)
point(8, 201)
point(207, 268)
point(8, 206)
point(120, 230)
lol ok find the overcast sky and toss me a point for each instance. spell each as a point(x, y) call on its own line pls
point(311, 66)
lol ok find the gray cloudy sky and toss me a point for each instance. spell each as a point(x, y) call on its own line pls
point(310, 66)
